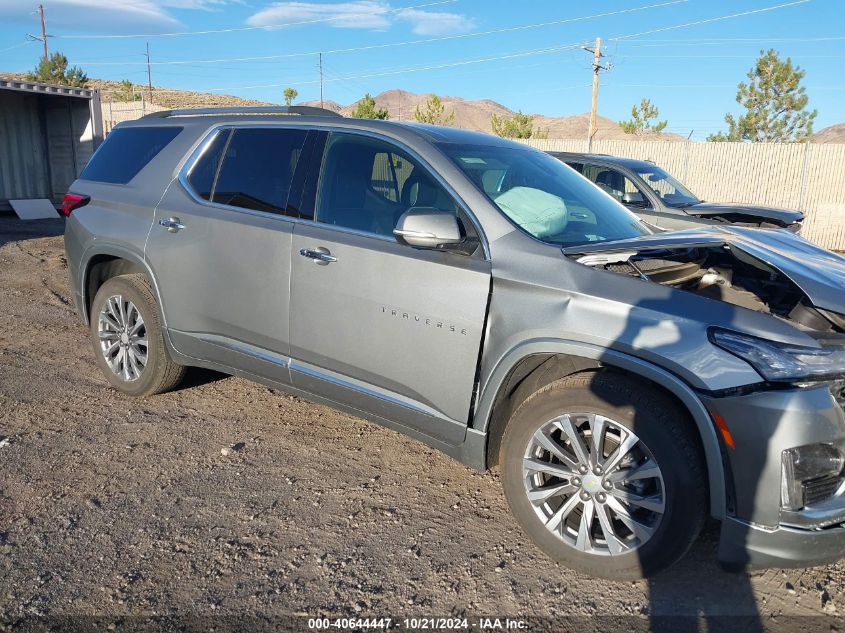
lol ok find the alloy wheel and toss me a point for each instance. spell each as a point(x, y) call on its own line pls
point(123, 338)
point(594, 484)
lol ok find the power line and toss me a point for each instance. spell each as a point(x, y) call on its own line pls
point(525, 53)
point(370, 47)
point(541, 51)
point(711, 20)
point(727, 56)
point(699, 86)
point(412, 69)
point(345, 16)
point(694, 41)
point(27, 43)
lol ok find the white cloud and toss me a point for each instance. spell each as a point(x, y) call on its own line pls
point(363, 14)
point(436, 23)
point(359, 14)
point(102, 15)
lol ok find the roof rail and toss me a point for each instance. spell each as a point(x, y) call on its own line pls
point(301, 110)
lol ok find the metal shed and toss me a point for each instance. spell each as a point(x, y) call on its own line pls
point(47, 135)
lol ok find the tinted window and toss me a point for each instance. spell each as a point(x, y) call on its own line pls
point(205, 169)
point(611, 181)
point(126, 151)
point(303, 191)
point(368, 184)
point(577, 167)
point(258, 168)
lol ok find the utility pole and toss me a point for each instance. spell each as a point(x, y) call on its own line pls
point(43, 30)
point(597, 68)
point(43, 38)
point(321, 80)
point(149, 75)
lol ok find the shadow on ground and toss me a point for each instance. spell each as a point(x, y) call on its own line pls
point(198, 376)
point(698, 585)
point(13, 229)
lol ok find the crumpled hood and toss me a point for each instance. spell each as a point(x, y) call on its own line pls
point(819, 273)
point(784, 216)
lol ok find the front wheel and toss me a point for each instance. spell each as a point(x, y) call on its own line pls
point(605, 474)
point(127, 338)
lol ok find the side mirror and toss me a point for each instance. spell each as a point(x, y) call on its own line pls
point(634, 199)
point(427, 227)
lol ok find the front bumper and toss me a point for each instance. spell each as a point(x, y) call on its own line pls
point(744, 547)
point(756, 532)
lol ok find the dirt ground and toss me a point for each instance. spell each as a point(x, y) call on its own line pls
point(122, 507)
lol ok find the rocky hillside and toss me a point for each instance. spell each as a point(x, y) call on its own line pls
point(164, 97)
point(176, 98)
point(832, 134)
point(476, 115)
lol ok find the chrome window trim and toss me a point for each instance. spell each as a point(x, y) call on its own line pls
point(202, 146)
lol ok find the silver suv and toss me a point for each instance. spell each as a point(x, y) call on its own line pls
point(486, 299)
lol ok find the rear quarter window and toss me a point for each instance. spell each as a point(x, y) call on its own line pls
point(127, 151)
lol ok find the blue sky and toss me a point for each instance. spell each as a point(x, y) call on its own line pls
point(690, 73)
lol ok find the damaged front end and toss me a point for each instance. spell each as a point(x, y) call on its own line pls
point(789, 429)
point(770, 271)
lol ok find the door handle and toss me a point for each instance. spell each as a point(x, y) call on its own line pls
point(172, 224)
point(321, 256)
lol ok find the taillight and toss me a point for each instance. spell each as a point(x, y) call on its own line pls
point(73, 201)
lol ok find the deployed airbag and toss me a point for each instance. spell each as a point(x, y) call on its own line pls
point(540, 213)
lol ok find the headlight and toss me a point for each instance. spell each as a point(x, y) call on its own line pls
point(818, 464)
point(782, 363)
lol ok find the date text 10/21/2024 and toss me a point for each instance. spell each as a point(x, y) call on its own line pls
point(418, 624)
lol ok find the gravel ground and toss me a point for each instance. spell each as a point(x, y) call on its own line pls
point(122, 507)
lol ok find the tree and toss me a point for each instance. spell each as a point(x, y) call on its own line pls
point(290, 95)
point(519, 126)
point(55, 71)
point(775, 104)
point(366, 109)
point(641, 121)
point(126, 92)
point(434, 113)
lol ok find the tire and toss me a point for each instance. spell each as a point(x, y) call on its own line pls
point(135, 373)
point(627, 409)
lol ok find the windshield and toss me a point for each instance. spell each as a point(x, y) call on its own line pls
point(543, 196)
point(673, 193)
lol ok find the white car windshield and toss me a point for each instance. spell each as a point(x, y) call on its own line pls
point(544, 197)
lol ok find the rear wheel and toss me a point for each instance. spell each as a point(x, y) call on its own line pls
point(605, 473)
point(127, 338)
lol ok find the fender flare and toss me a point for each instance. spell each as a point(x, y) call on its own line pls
point(119, 251)
point(658, 375)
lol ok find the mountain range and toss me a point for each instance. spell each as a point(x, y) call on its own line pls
point(477, 114)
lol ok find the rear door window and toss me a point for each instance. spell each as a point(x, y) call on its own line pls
point(126, 151)
point(257, 168)
point(204, 171)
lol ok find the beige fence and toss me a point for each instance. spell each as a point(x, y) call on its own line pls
point(116, 111)
point(809, 177)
